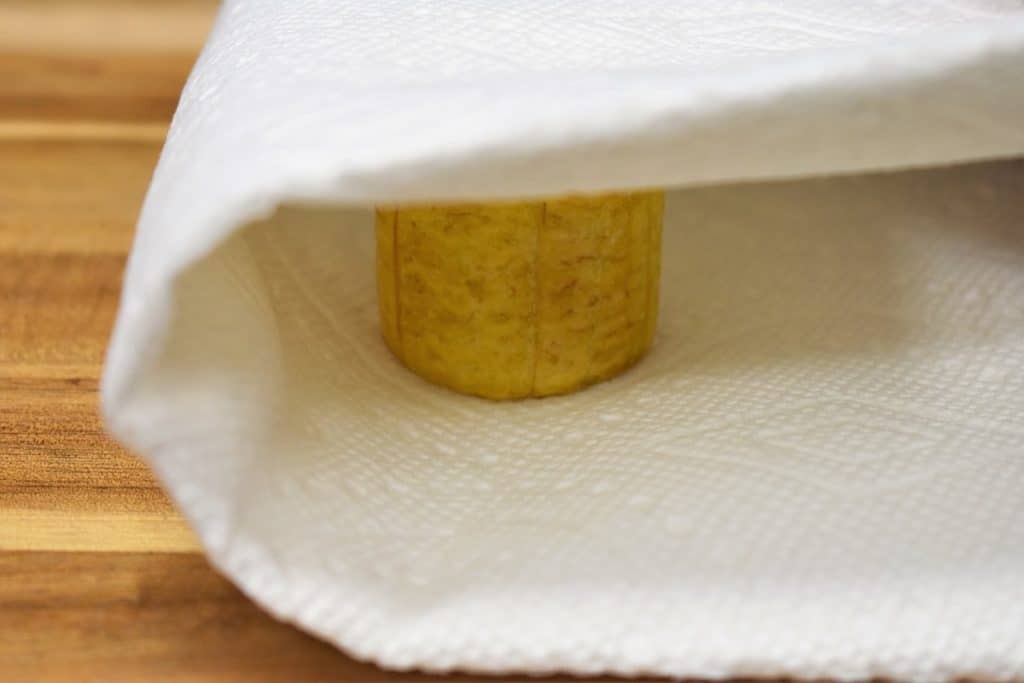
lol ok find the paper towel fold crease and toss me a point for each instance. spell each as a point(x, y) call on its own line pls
point(819, 471)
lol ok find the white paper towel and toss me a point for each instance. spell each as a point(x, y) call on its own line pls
point(819, 471)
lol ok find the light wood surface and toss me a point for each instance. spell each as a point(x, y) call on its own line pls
point(100, 578)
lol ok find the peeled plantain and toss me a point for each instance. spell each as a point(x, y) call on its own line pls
point(521, 299)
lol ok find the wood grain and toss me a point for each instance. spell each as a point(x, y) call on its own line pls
point(109, 60)
point(102, 616)
point(66, 215)
point(143, 617)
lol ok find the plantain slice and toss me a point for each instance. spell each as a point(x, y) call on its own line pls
point(520, 299)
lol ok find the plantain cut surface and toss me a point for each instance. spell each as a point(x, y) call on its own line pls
point(521, 299)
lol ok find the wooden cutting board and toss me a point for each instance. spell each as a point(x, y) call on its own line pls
point(100, 578)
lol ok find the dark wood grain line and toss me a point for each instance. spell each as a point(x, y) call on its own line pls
point(108, 87)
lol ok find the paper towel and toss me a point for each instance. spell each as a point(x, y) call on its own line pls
point(819, 471)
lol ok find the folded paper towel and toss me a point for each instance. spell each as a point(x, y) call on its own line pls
point(819, 471)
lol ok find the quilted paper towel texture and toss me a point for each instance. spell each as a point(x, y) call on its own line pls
point(817, 472)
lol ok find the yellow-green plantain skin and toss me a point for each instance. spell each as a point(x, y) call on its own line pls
point(521, 299)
